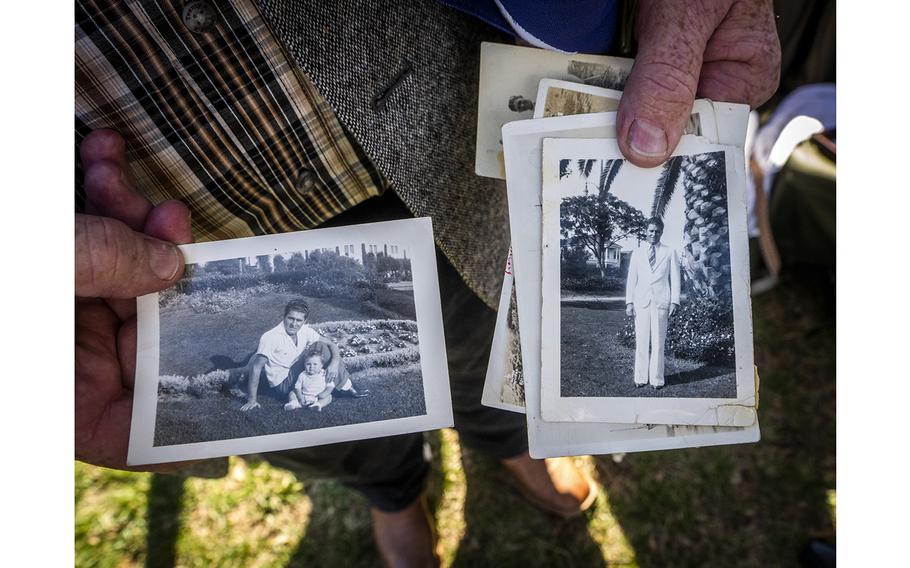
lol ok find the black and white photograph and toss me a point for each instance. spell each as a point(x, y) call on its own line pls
point(509, 80)
point(270, 339)
point(645, 279)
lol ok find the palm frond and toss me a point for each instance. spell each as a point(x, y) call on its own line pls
point(608, 174)
point(666, 185)
point(585, 167)
point(564, 166)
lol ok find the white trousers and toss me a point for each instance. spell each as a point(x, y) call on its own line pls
point(650, 330)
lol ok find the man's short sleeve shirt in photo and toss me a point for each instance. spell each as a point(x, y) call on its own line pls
point(281, 350)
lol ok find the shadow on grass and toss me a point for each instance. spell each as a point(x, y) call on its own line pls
point(503, 529)
point(165, 504)
point(220, 362)
point(339, 530)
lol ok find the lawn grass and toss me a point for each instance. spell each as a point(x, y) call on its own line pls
point(750, 505)
point(394, 393)
point(594, 363)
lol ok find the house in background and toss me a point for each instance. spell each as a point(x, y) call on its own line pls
point(612, 258)
point(358, 253)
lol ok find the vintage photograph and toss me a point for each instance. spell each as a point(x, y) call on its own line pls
point(646, 298)
point(504, 385)
point(565, 98)
point(509, 80)
point(321, 335)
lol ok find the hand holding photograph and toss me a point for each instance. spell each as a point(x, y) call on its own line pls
point(565, 98)
point(292, 340)
point(645, 279)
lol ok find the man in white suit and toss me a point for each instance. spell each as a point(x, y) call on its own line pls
point(652, 295)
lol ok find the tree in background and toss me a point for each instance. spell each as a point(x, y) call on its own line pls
point(296, 262)
point(596, 220)
point(573, 260)
point(264, 263)
point(280, 264)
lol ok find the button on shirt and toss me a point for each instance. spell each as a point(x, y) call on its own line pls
point(281, 350)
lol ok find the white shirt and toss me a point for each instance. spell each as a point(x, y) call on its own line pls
point(281, 351)
point(311, 385)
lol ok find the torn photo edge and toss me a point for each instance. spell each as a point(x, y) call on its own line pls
point(522, 142)
point(433, 365)
point(736, 411)
point(514, 71)
point(503, 350)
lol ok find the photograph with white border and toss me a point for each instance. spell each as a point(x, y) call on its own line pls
point(522, 143)
point(293, 340)
point(646, 278)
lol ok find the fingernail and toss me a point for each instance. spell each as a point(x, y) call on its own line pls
point(647, 139)
point(164, 259)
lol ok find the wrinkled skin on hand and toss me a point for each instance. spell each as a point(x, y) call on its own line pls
point(124, 248)
point(723, 50)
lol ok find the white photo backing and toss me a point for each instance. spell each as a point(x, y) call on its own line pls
point(597, 209)
point(366, 293)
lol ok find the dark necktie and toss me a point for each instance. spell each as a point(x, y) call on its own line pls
point(652, 257)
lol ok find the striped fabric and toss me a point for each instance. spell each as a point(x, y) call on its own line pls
point(221, 120)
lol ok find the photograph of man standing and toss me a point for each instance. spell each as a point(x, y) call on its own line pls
point(652, 295)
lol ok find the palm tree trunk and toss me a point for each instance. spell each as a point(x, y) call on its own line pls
point(706, 242)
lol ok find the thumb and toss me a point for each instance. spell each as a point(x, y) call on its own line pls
point(113, 261)
point(659, 93)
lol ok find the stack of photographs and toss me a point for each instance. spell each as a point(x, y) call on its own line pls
point(625, 320)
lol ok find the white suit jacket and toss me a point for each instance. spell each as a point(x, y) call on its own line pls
point(660, 285)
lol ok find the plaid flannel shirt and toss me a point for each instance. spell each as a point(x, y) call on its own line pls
point(215, 114)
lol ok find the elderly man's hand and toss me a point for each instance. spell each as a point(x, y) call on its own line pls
point(124, 248)
point(724, 50)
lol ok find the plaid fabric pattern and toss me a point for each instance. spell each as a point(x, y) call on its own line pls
point(222, 120)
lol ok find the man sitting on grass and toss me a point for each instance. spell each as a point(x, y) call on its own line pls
point(277, 362)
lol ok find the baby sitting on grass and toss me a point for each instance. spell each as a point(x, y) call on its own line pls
point(312, 390)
